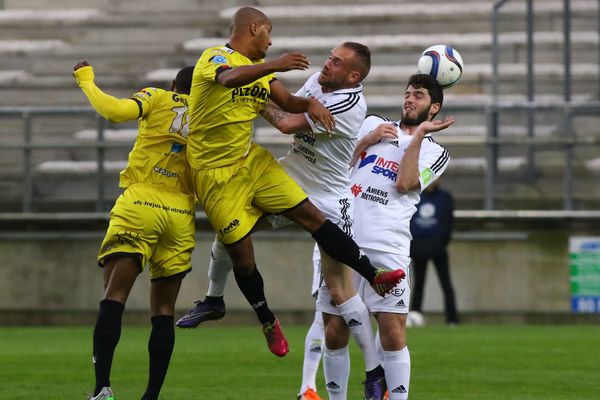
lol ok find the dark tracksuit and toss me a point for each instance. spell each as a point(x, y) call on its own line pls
point(431, 228)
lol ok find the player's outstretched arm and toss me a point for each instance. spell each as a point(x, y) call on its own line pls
point(246, 74)
point(111, 108)
point(286, 122)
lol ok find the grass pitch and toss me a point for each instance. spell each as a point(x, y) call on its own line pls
point(225, 362)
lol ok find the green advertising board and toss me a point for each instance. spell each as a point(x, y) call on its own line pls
point(584, 264)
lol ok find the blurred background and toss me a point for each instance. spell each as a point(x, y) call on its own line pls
point(524, 170)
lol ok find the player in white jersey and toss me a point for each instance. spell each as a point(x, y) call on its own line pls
point(318, 161)
point(393, 163)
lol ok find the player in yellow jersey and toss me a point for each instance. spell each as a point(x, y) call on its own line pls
point(237, 181)
point(152, 222)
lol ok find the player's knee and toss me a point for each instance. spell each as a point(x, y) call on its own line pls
point(244, 268)
point(393, 338)
point(337, 334)
point(306, 215)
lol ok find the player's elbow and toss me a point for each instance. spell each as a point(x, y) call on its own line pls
point(116, 116)
point(287, 128)
point(228, 83)
point(404, 186)
point(228, 79)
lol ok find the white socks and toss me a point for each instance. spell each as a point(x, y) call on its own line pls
point(357, 318)
point(218, 269)
point(313, 349)
point(397, 373)
point(336, 366)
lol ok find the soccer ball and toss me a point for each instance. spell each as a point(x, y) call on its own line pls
point(414, 319)
point(442, 62)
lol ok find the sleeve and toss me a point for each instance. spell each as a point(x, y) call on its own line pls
point(213, 62)
point(370, 123)
point(111, 108)
point(146, 98)
point(433, 161)
point(348, 114)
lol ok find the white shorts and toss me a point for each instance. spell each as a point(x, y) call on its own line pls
point(397, 301)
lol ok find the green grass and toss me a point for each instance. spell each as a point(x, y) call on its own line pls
point(469, 362)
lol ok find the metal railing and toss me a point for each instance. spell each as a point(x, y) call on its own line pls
point(492, 142)
point(569, 110)
point(27, 146)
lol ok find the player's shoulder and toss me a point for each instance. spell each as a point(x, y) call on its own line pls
point(223, 49)
point(430, 141)
point(150, 91)
point(377, 118)
point(372, 120)
point(218, 52)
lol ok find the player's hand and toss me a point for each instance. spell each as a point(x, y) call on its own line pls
point(290, 61)
point(388, 130)
point(318, 113)
point(81, 64)
point(435, 125)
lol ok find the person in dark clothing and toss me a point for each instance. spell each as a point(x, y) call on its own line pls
point(431, 229)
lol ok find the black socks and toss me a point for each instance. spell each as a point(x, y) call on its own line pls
point(252, 287)
point(344, 249)
point(160, 349)
point(106, 336)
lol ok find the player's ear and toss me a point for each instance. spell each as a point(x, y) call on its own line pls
point(354, 77)
point(253, 28)
point(435, 108)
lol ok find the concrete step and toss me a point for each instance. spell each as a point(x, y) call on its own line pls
point(387, 79)
point(390, 49)
point(383, 18)
point(159, 7)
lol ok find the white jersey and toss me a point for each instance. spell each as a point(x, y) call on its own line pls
point(382, 214)
point(319, 163)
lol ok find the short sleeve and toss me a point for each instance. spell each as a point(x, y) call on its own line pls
point(213, 62)
point(433, 161)
point(146, 98)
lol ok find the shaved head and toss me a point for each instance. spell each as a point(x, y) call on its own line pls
point(246, 16)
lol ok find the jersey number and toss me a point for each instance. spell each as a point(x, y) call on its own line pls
point(180, 122)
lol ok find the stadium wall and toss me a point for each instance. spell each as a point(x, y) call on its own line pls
point(499, 268)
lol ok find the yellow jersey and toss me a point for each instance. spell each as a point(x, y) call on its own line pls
point(221, 119)
point(159, 153)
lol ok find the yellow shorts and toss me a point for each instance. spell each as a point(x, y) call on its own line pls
point(235, 196)
point(155, 224)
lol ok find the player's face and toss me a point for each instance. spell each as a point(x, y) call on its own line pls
point(263, 40)
point(417, 106)
point(337, 70)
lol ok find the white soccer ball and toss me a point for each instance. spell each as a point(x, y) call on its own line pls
point(415, 319)
point(442, 62)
